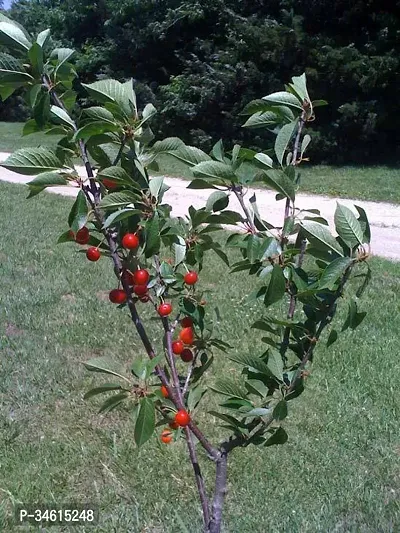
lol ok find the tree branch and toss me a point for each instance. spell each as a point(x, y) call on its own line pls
point(219, 493)
point(199, 478)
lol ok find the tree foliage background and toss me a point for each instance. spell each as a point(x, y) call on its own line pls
point(201, 61)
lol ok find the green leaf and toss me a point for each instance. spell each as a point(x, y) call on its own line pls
point(217, 201)
point(320, 236)
point(46, 179)
point(251, 361)
point(113, 402)
point(62, 55)
point(118, 199)
point(276, 288)
point(299, 85)
point(280, 183)
point(214, 170)
point(9, 63)
point(62, 116)
point(275, 364)
point(106, 387)
point(255, 386)
point(139, 368)
point(195, 396)
point(260, 120)
point(12, 36)
point(354, 318)
point(99, 114)
point(41, 110)
point(111, 91)
point(190, 155)
point(79, 213)
point(280, 411)
point(31, 126)
point(179, 251)
point(105, 365)
point(363, 220)
point(145, 422)
point(279, 437)
point(229, 387)
point(43, 38)
point(200, 184)
point(158, 188)
point(283, 98)
point(115, 173)
point(333, 272)
point(348, 227)
point(36, 59)
point(153, 241)
point(283, 139)
point(95, 128)
point(264, 159)
point(117, 216)
point(333, 336)
point(31, 161)
point(305, 144)
point(218, 151)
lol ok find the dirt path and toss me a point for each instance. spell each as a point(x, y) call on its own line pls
point(384, 218)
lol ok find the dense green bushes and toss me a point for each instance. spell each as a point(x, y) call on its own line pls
point(202, 60)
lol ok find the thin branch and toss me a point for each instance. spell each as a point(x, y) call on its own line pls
point(238, 190)
point(189, 374)
point(198, 476)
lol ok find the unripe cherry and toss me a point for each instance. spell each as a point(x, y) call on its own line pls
point(166, 436)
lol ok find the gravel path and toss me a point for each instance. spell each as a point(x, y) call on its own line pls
point(384, 218)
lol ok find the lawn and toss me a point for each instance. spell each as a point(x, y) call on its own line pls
point(378, 183)
point(339, 471)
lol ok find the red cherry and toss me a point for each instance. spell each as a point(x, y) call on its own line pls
point(166, 436)
point(141, 277)
point(110, 184)
point(164, 391)
point(130, 241)
point(178, 347)
point(187, 335)
point(182, 418)
point(93, 254)
point(117, 296)
point(187, 322)
point(191, 278)
point(187, 355)
point(83, 236)
point(173, 425)
point(165, 309)
point(140, 290)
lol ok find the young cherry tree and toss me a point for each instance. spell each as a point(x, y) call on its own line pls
point(119, 214)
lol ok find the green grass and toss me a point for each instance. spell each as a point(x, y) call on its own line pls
point(339, 471)
point(378, 183)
